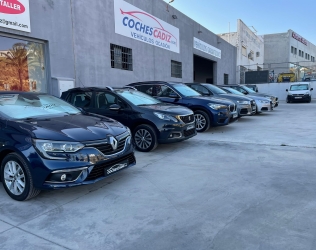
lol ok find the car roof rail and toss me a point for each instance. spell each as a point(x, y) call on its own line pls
point(129, 87)
point(109, 88)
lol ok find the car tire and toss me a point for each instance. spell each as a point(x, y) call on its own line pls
point(309, 100)
point(202, 121)
point(145, 138)
point(287, 100)
point(14, 175)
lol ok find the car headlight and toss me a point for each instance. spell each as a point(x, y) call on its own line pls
point(243, 102)
point(217, 106)
point(165, 117)
point(263, 101)
point(52, 147)
point(307, 93)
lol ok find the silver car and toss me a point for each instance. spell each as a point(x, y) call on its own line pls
point(262, 104)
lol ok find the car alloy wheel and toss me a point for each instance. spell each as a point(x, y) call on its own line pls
point(145, 138)
point(16, 178)
point(202, 121)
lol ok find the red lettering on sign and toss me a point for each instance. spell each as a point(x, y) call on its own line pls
point(11, 7)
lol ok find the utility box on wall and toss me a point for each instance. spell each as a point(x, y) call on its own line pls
point(61, 84)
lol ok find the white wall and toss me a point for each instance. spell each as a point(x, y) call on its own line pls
point(279, 89)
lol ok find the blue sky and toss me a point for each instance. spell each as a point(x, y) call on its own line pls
point(267, 17)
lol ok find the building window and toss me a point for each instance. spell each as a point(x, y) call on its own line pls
point(257, 54)
point(176, 69)
point(292, 49)
point(295, 51)
point(22, 65)
point(244, 51)
point(299, 52)
point(121, 57)
point(303, 54)
point(251, 55)
point(226, 79)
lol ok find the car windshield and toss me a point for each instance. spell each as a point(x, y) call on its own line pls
point(249, 90)
point(214, 89)
point(185, 90)
point(32, 105)
point(299, 87)
point(233, 91)
point(137, 98)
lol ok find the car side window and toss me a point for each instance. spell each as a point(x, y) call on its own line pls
point(201, 89)
point(147, 89)
point(104, 100)
point(80, 99)
point(163, 91)
point(242, 90)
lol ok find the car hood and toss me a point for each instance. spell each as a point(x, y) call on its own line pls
point(168, 108)
point(211, 99)
point(260, 94)
point(235, 97)
point(72, 128)
point(258, 97)
point(298, 92)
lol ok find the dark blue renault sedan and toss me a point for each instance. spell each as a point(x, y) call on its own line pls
point(46, 143)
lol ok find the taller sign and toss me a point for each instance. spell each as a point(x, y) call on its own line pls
point(142, 26)
point(15, 14)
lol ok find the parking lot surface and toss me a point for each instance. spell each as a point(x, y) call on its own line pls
point(249, 185)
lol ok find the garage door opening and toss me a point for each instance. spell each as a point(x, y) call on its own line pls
point(203, 69)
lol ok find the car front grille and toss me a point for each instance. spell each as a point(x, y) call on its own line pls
point(106, 148)
point(232, 108)
point(187, 118)
point(244, 111)
point(190, 132)
point(298, 94)
point(98, 170)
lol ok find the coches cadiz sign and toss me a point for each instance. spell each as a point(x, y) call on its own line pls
point(15, 14)
point(139, 25)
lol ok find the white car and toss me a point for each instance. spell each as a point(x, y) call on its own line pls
point(299, 91)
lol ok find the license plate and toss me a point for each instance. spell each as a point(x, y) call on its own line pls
point(190, 127)
point(116, 168)
point(298, 97)
point(235, 115)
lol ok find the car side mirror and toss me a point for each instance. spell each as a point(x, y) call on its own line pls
point(173, 95)
point(311, 89)
point(115, 107)
point(286, 90)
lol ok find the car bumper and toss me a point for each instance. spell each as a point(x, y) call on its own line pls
point(246, 109)
point(220, 117)
point(263, 107)
point(86, 166)
point(303, 98)
point(176, 133)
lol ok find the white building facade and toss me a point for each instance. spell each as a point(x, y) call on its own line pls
point(250, 49)
point(289, 52)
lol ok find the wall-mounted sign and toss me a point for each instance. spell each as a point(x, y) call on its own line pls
point(15, 14)
point(299, 38)
point(142, 26)
point(209, 49)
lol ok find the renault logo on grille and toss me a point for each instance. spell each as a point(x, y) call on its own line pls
point(113, 142)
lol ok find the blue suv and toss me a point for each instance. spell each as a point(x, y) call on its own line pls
point(208, 111)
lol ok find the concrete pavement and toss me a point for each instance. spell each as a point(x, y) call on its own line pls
point(249, 185)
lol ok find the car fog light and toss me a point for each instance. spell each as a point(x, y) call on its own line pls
point(63, 177)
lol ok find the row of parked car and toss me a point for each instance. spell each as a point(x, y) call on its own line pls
point(90, 133)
